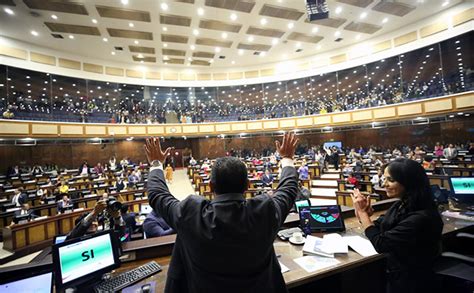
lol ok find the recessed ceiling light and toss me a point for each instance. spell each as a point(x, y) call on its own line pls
point(8, 11)
point(193, 47)
point(385, 20)
point(200, 11)
point(233, 16)
point(250, 39)
point(165, 45)
point(94, 20)
point(338, 10)
point(224, 35)
point(263, 21)
point(34, 33)
point(217, 49)
point(291, 25)
point(318, 47)
point(190, 59)
point(130, 24)
point(71, 37)
point(105, 39)
point(124, 2)
point(298, 45)
point(233, 62)
point(358, 37)
point(113, 53)
point(136, 42)
point(195, 32)
point(262, 54)
point(363, 15)
point(274, 41)
point(241, 52)
point(164, 6)
point(165, 29)
point(54, 16)
point(211, 61)
point(445, 3)
point(337, 33)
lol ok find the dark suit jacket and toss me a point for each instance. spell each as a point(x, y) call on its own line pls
point(412, 242)
point(224, 245)
point(155, 226)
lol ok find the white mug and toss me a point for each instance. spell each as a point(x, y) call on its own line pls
point(298, 236)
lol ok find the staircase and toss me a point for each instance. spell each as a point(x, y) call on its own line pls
point(323, 189)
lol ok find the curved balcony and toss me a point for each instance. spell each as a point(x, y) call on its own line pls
point(420, 111)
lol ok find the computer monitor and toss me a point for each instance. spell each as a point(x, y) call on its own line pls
point(330, 144)
point(67, 209)
point(59, 239)
point(85, 260)
point(462, 188)
point(321, 219)
point(145, 209)
point(8, 205)
point(50, 199)
point(38, 282)
point(137, 195)
point(301, 204)
point(21, 219)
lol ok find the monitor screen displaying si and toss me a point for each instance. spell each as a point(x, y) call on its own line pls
point(87, 257)
point(462, 188)
point(301, 204)
point(321, 219)
point(330, 144)
point(39, 284)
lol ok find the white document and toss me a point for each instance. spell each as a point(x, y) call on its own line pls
point(312, 263)
point(361, 245)
point(334, 243)
point(284, 268)
point(314, 245)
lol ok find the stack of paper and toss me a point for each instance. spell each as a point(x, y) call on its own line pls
point(334, 243)
point(315, 246)
point(362, 246)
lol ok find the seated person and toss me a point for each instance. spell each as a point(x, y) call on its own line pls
point(120, 184)
point(63, 203)
point(267, 178)
point(88, 223)
point(428, 163)
point(303, 172)
point(128, 218)
point(19, 198)
point(347, 169)
point(155, 226)
point(409, 232)
point(98, 169)
point(84, 169)
point(377, 179)
point(25, 210)
point(303, 192)
point(352, 180)
point(63, 187)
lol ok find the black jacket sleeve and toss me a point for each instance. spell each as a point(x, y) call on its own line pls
point(161, 199)
point(285, 194)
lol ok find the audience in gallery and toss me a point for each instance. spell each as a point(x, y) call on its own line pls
point(409, 232)
point(406, 77)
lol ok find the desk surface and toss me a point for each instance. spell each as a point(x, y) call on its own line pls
point(297, 275)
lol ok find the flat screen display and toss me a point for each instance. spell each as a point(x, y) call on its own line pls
point(85, 257)
point(321, 219)
point(301, 204)
point(38, 284)
point(330, 144)
point(462, 185)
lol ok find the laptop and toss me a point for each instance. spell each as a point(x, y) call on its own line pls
point(328, 218)
point(38, 282)
point(462, 188)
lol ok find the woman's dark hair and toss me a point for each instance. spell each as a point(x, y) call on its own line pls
point(413, 177)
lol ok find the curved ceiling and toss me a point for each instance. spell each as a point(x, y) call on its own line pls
point(203, 33)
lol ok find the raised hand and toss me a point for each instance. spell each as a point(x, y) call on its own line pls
point(153, 150)
point(287, 148)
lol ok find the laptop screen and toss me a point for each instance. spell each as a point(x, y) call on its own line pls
point(462, 185)
point(301, 204)
point(38, 284)
point(321, 219)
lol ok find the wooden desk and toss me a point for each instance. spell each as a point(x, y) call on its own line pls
point(351, 264)
point(38, 233)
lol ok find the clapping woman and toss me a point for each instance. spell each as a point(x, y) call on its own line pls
point(410, 232)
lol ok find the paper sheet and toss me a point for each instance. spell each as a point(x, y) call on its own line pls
point(361, 245)
point(333, 243)
point(312, 263)
point(284, 268)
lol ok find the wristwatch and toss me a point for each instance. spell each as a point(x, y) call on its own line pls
point(156, 163)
